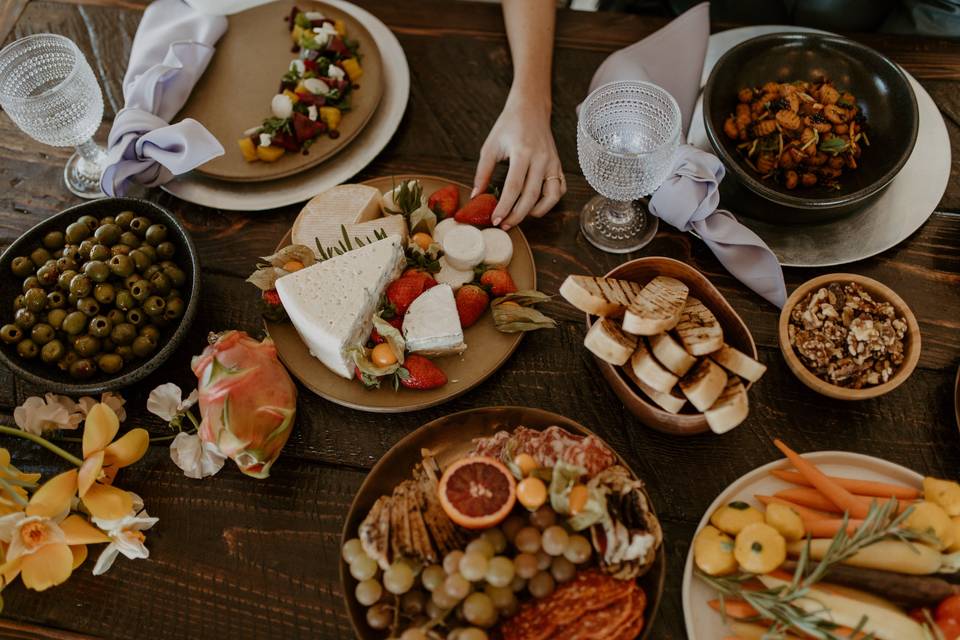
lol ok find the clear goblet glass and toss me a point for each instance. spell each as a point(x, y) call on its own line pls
point(48, 89)
point(627, 134)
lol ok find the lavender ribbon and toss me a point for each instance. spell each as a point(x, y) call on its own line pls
point(688, 200)
point(171, 50)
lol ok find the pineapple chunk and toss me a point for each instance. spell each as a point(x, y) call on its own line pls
point(269, 154)
point(294, 98)
point(353, 69)
point(330, 116)
point(248, 149)
point(296, 33)
point(341, 27)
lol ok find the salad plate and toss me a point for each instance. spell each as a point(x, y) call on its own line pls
point(487, 348)
point(449, 439)
point(249, 63)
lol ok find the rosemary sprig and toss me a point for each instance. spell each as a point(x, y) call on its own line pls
point(345, 244)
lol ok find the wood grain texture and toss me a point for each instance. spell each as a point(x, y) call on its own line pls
point(236, 558)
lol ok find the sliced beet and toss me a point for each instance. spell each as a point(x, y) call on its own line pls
point(285, 140)
point(310, 65)
point(305, 128)
point(337, 46)
point(308, 99)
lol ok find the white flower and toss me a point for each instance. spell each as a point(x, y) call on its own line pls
point(166, 401)
point(37, 415)
point(197, 459)
point(112, 400)
point(125, 536)
point(73, 409)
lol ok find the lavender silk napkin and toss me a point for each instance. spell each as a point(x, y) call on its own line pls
point(171, 50)
point(673, 58)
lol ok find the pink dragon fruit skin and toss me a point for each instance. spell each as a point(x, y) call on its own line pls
point(247, 400)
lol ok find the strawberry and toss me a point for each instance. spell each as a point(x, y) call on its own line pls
point(444, 201)
point(419, 373)
point(472, 301)
point(478, 211)
point(305, 128)
point(403, 291)
point(499, 282)
point(271, 297)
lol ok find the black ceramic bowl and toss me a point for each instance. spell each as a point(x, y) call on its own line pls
point(49, 376)
point(883, 93)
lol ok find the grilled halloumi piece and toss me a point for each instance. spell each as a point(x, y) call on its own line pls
point(374, 532)
point(672, 401)
point(647, 369)
point(736, 361)
point(671, 354)
point(698, 329)
point(704, 384)
point(423, 548)
point(444, 533)
point(400, 536)
point(608, 342)
point(599, 296)
point(656, 308)
point(730, 409)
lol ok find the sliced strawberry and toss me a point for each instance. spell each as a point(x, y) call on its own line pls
point(498, 281)
point(478, 211)
point(445, 201)
point(420, 373)
point(472, 301)
point(305, 128)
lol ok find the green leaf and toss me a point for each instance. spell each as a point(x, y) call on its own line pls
point(834, 145)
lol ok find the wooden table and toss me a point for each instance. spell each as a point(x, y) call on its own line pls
point(236, 558)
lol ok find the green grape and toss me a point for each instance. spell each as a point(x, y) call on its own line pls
point(527, 540)
point(451, 563)
point(555, 540)
point(432, 577)
point(363, 567)
point(578, 549)
point(443, 600)
point(496, 538)
point(368, 592)
point(414, 634)
point(457, 587)
point(525, 565)
point(562, 569)
point(512, 525)
point(472, 633)
point(413, 602)
point(351, 548)
point(501, 597)
point(500, 571)
point(473, 566)
point(478, 609)
point(380, 616)
point(481, 546)
point(398, 578)
point(543, 517)
point(541, 585)
point(543, 560)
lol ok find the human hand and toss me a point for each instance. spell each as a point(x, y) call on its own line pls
point(535, 180)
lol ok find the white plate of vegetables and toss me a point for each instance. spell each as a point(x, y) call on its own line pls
point(831, 545)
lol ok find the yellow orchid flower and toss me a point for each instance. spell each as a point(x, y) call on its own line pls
point(44, 544)
point(102, 458)
point(13, 485)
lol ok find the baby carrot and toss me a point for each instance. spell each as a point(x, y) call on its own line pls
point(857, 487)
point(737, 609)
point(807, 515)
point(834, 492)
point(829, 528)
point(814, 499)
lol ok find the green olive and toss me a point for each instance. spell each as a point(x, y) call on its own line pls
point(110, 363)
point(42, 333)
point(123, 333)
point(100, 326)
point(141, 290)
point(91, 222)
point(72, 299)
point(160, 283)
point(40, 256)
point(115, 316)
point(30, 282)
point(96, 270)
point(175, 308)
point(56, 300)
point(136, 317)
point(166, 249)
point(85, 248)
point(11, 333)
point(71, 251)
point(63, 280)
point(139, 225)
point(140, 259)
point(108, 234)
point(66, 263)
point(87, 345)
point(104, 293)
point(143, 346)
point(123, 219)
point(54, 240)
point(35, 299)
point(82, 369)
point(156, 233)
point(53, 351)
point(150, 250)
point(124, 300)
point(18, 302)
point(75, 323)
point(48, 274)
point(67, 360)
point(122, 265)
point(125, 352)
point(120, 250)
point(81, 286)
point(28, 349)
point(100, 252)
point(24, 318)
point(129, 280)
point(154, 305)
point(88, 306)
point(130, 239)
point(107, 220)
point(22, 266)
point(55, 317)
point(152, 270)
point(150, 331)
point(107, 345)
point(177, 276)
point(77, 232)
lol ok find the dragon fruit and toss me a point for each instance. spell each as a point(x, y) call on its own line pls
point(247, 400)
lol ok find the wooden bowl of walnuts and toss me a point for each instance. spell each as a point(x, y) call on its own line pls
point(849, 337)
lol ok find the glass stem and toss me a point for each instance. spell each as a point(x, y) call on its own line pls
point(92, 155)
point(620, 211)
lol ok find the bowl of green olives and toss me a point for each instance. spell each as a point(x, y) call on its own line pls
point(98, 296)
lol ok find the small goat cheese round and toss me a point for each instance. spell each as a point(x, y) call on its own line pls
point(442, 228)
point(452, 276)
point(463, 247)
point(498, 247)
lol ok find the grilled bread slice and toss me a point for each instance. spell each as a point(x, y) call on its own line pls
point(730, 409)
point(671, 353)
point(375, 533)
point(736, 361)
point(599, 296)
point(656, 308)
point(608, 342)
point(648, 370)
point(704, 384)
point(671, 402)
point(698, 329)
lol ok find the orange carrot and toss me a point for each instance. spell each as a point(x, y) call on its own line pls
point(829, 528)
point(814, 499)
point(807, 515)
point(836, 494)
point(780, 574)
point(736, 609)
point(854, 486)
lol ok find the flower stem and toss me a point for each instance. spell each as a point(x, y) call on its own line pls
point(43, 442)
point(170, 437)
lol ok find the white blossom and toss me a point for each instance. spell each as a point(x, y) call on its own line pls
point(125, 536)
point(37, 415)
point(166, 401)
point(197, 459)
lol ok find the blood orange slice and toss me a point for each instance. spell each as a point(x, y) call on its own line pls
point(477, 492)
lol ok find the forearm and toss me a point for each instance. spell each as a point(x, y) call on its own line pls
point(530, 30)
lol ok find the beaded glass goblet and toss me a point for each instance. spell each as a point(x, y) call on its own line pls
point(627, 134)
point(50, 92)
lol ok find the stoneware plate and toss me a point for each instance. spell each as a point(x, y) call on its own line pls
point(956, 399)
point(447, 439)
point(49, 377)
point(235, 91)
point(487, 348)
point(735, 333)
point(703, 623)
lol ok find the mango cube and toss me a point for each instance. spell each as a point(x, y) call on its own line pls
point(296, 33)
point(269, 154)
point(294, 98)
point(248, 149)
point(330, 116)
point(341, 27)
point(353, 69)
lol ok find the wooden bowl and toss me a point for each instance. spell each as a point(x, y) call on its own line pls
point(735, 333)
point(879, 292)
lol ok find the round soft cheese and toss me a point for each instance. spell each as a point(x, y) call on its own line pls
point(442, 228)
point(498, 247)
point(452, 276)
point(463, 246)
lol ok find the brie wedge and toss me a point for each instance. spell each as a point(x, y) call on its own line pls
point(331, 304)
point(431, 325)
point(345, 204)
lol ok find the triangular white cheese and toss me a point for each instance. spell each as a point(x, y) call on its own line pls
point(432, 324)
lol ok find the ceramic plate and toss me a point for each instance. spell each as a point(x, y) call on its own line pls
point(703, 623)
point(487, 348)
point(449, 438)
point(234, 93)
